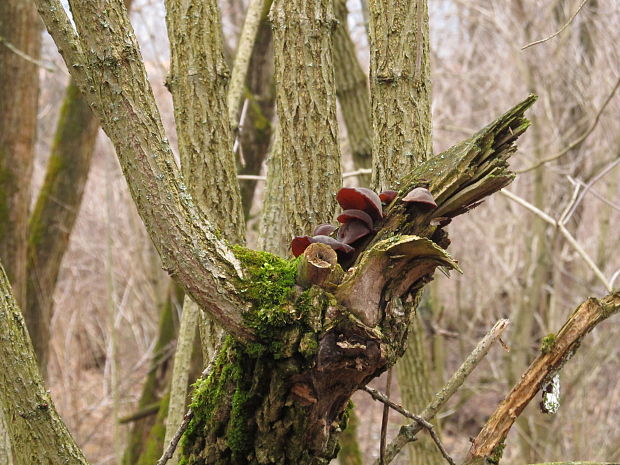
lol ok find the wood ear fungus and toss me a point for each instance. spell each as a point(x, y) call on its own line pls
point(422, 197)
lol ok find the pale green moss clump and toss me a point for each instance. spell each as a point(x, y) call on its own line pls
point(547, 343)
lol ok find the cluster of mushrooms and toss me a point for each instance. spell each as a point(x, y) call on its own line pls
point(363, 208)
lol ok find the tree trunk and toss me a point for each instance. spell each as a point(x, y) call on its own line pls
point(306, 107)
point(37, 432)
point(20, 41)
point(55, 212)
point(353, 94)
point(400, 88)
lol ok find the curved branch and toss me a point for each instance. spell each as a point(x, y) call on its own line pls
point(37, 432)
point(121, 96)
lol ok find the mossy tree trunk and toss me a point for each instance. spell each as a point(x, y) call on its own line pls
point(55, 212)
point(279, 387)
point(37, 432)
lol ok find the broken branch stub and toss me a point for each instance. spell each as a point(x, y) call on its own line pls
point(391, 267)
point(583, 320)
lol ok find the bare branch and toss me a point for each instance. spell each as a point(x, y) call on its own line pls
point(565, 232)
point(577, 141)
point(559, 31)
point(421, 421)
point(565, 343)
point(407, 433)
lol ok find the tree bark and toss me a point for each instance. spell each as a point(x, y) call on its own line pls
point(400, 88)
point(37, 432)
point(353, 94)
point(306, 107)
point(198, 81)
point(20, 33)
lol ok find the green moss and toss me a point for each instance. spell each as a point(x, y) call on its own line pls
point(547, 343)
point(269, 285)
point(496, 455)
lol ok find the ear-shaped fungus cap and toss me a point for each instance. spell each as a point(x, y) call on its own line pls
point(421, 196)
point(353, 230)
point(360, 215)
point(324, 230)
point(387, 196)
point(360, 198)
point(300, 243)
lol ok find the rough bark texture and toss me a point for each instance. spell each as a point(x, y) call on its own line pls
point(112, 74)
point(198, 81)
point(555, 352)
point(400, 88)
point(55, 212)
point(306, 107)
point(353, 94)
point(37, 432)
point(274, 236)
point(19, 91)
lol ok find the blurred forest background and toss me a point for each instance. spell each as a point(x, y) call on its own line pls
point(111, 288)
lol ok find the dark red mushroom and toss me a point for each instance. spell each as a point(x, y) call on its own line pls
point(352, 214)
point(422, 197)
point(300, 243)
point(338, 246)
point(352, 231)
point(324, 230)
point(387, 196)
point(360, 198)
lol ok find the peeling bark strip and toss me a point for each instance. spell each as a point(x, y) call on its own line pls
point(306, 107)
point(37, 432)
point(556, 353)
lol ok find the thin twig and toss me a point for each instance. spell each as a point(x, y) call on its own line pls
point(565, 232)
point(421, 421)
point(25, 56)
point(385, 418)
point(588, 186)
point(580, 139)
point(407, 433)
point(172, 446)
point(559, 31)
point(348, 174)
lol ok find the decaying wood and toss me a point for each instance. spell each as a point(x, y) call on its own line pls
point(557, 352)
point(318, 266)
